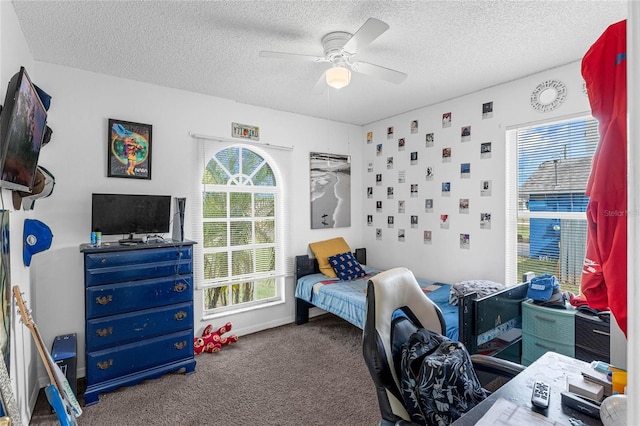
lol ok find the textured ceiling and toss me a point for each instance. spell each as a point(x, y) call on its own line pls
point(447, 48)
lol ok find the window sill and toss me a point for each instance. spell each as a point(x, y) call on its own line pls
point(227, 313)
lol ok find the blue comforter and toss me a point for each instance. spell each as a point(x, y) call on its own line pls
point(347, 299)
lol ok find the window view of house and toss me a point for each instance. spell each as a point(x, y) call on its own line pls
point(553, 167)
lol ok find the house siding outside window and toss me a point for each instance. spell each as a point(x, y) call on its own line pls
point(546, 187)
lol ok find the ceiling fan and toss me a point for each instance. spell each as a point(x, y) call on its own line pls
point(339, 50)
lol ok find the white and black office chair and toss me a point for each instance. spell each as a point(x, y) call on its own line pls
point(388, 293)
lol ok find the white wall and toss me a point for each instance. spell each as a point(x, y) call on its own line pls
point(24, 358)
point(444, 260)
point(82, 102)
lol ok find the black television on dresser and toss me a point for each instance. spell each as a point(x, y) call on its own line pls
point(130, 214)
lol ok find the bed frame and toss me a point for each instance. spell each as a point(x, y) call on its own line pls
point(306, 265)
point(475, 315)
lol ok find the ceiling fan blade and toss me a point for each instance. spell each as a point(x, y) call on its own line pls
point(383, 73)
point(369, 31)
point(292, 56)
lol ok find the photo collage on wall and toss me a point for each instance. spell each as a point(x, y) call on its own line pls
point(467, 140)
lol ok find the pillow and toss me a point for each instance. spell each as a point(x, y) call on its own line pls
point(323, 249)
point(346, 266)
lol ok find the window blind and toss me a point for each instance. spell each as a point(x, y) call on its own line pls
point(548, 167)
point(239, 217)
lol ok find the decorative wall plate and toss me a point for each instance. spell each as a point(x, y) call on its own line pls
point(548, 96)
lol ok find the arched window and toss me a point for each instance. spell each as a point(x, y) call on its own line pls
point(241, 252)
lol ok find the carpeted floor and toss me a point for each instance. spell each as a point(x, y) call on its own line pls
point(312, 374)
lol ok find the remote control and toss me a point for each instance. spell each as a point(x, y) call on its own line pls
point(541, 394)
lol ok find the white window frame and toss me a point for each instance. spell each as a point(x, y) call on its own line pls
point(207, 153)
point(511, 195)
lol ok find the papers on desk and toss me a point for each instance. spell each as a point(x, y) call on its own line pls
point(506, 413)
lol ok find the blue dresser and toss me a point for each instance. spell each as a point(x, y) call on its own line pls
point(138, 313)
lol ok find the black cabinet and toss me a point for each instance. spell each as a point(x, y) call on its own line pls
point(592, 338)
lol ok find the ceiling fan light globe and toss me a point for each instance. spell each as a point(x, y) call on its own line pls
point(338, 77)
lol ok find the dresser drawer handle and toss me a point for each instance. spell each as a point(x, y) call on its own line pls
point(103, 260)
point(104, 300)
point(604, 333)
point(180, 315)
point(544, 319)
point(180, 287)
point(549, 348)
point(105, 364)
point(104, 332)
point(180, 345)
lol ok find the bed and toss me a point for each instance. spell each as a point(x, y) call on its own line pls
point(478, 322)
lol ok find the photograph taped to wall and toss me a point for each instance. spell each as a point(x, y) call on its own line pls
point(465, 241)
point(379, 149)
point(446, 155)
point(444, 221)
point(414, 126)
point(465, 170)
point(465, 133)
point(401, 205)
point(390, 132)
point(485, 220)
point(485, 150)
point(330, 190)
point(428, 205)
point(446, 119)
point(389, 162)
point(485, 188)
point(464, 205)
point(369, 137)
point(378, 233)
point(402, 175)
point(427, 237)
point(401, 234)
point(487, 110)
point(401, 144)
point(429, 173)
point(429, 140)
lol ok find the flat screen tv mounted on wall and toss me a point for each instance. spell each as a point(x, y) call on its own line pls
point(23, 122)
point(130, 214)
